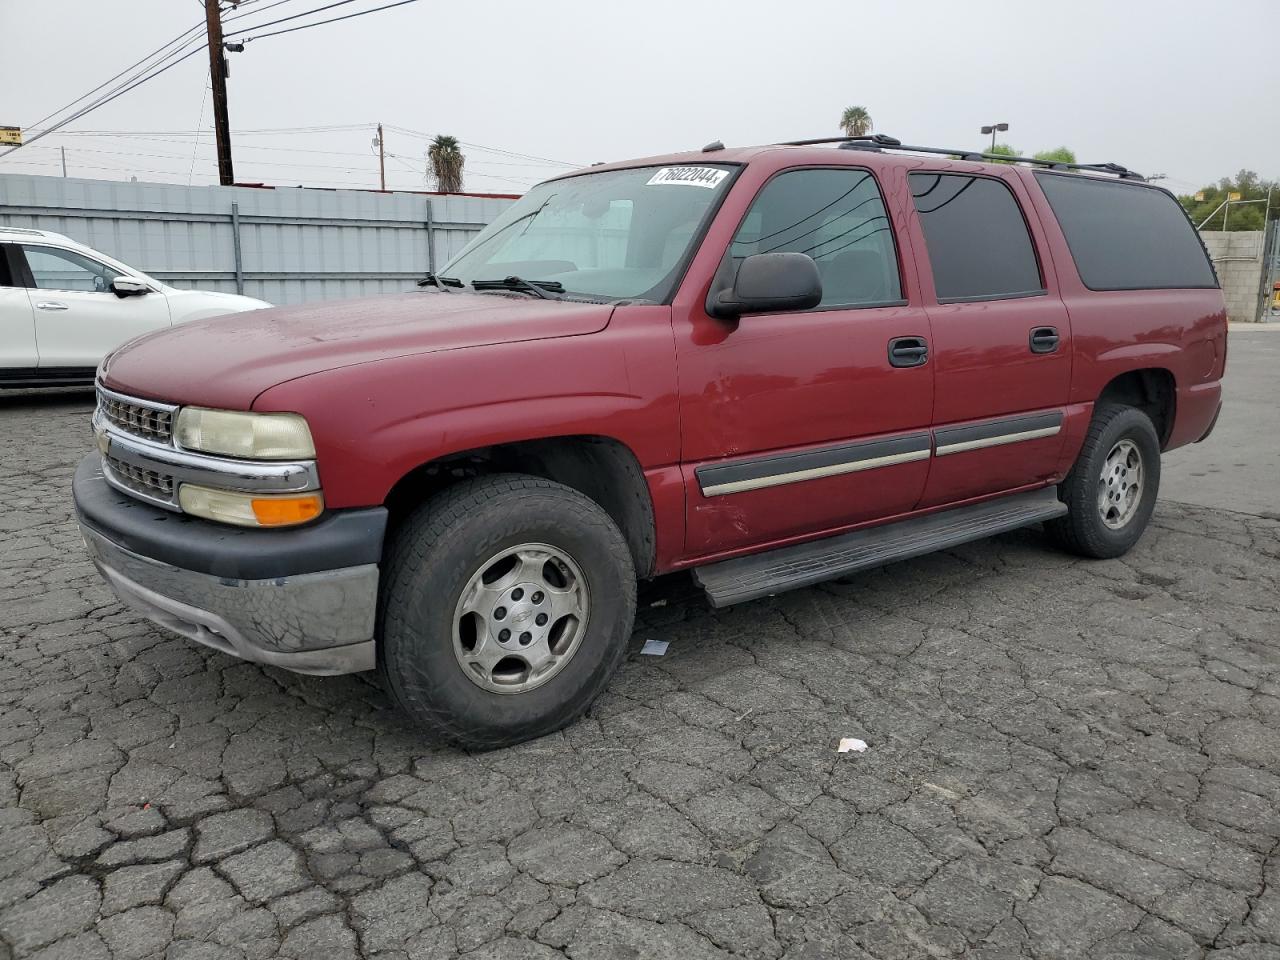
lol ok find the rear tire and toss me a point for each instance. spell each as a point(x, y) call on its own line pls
point(1111, 490)
point(507, 603)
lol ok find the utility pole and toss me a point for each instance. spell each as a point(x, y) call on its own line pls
point(382, 161)
point(218, 79)
point(64, 161)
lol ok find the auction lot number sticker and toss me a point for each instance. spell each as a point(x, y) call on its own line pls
point(708, 177)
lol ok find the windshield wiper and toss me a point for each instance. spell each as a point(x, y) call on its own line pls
point(537, 287)
point(444, 283)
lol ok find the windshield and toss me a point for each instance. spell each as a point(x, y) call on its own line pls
point(618, 234)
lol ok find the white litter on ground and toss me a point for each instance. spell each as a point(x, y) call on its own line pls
point(658, 603)
point(654, 648)
point(850, 745)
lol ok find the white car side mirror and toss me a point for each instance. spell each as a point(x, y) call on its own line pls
point(128, 287)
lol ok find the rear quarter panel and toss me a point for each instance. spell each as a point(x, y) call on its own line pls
point(1182, 331)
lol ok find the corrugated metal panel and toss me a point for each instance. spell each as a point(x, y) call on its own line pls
point(296, 244)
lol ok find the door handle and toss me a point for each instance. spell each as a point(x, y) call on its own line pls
point(1044, 339)
point(908, 352)
point(51, 305)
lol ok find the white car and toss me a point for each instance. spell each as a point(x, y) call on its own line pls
point(64, 306)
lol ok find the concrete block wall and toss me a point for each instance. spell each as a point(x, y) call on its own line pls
point(1237, 256)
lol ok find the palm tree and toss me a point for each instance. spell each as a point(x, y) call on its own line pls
point(856, 122)
point(446, 161)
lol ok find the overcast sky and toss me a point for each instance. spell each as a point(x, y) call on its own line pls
point(1186, 89)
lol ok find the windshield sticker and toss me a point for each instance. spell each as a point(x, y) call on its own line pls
point(708, 177)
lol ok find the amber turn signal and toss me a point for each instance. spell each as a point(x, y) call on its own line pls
point(249, 510)
point(286, 511)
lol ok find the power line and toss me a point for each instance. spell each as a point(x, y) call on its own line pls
point(264, 131)
point(204, 98)
point(178, 156)
point(155, 65)
point(272, 23)
point(183, 38)
point(481, 166)
point(110, 156)
point(251, 13)
point(131, 84)
point(318, 23)
point(480, 146)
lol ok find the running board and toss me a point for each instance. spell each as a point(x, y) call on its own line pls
point(788, 568)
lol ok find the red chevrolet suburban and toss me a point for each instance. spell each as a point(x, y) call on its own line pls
point(770, 365)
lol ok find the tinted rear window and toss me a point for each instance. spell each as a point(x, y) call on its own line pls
point(978, 243)
point(1124, 236)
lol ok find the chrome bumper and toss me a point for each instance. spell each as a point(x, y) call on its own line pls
point(317, 623)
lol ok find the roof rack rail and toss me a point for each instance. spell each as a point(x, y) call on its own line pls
point(25, 231)
point(878, 142)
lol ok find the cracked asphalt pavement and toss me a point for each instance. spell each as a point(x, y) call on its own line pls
point(1066, 759)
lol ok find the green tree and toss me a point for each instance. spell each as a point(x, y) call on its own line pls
point(1206, 204)
point(856, 122)
point(1056, 155)
point(446, 160)
point(1003, 150)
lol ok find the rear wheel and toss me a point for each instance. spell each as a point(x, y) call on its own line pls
point(507, 603)
point(1112, 488)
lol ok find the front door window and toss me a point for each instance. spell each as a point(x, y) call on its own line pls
point(56, 269)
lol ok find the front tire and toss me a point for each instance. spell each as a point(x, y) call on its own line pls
point(1111, 490)
point(507, 604)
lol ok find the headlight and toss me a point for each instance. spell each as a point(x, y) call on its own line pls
point(250, 509)
point(252, 436)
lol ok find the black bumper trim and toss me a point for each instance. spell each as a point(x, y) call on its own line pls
point(1212, 423)
point(344, 538)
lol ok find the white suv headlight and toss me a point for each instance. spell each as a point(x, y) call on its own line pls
point(251, 436)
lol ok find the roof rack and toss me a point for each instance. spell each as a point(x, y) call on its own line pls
point(878, 142)
point(25, 231)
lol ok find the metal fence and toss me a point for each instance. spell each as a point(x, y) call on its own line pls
point(1269, 295)
point(283, 245)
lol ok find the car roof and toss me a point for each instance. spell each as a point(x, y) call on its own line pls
point(870, 155)
point(801, 155)
point(18, 234)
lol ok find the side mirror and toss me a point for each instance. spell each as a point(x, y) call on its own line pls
point(129, 287)
point(771, 283)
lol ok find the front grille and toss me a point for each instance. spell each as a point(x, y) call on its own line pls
point(137, 417)
point(148, 483)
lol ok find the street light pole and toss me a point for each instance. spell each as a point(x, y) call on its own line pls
point(1002, 127)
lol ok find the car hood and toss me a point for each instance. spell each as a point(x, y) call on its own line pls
point(227, 361)
point(229, 302)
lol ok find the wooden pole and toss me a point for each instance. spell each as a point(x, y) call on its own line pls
point(218, 78)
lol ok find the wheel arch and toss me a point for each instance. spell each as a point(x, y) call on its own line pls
point(1153, 390)
point(599, 467)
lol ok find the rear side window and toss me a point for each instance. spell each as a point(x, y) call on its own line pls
point(834, 216)
point(1124, 236)
point(978, 242)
